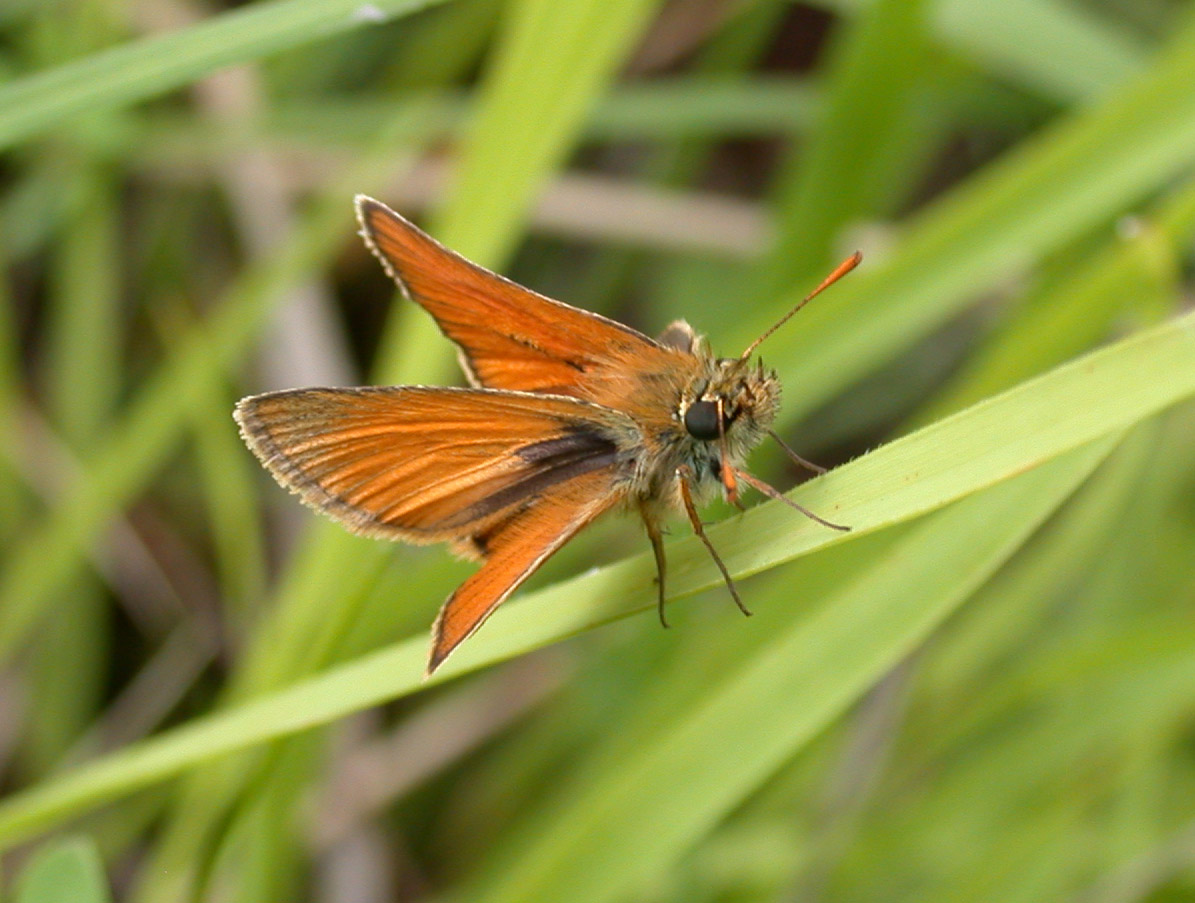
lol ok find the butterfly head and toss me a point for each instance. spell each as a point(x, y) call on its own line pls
point(733, 399)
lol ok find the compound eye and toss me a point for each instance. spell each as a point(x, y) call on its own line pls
point(701, 420)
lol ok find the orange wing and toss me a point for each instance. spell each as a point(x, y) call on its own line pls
point(509, 336)
point(515, 548)
point(426, 464)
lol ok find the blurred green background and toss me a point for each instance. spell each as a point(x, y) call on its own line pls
point(985, 692)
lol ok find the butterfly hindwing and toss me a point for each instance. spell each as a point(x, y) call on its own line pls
point(514, 549)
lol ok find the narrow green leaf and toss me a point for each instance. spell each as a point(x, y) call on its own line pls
point(518, 139)
point(157, 64)
point(617, 829)
point(1134, 279)
point(11, 501)
point(879, 59)
point(711, 107)
point(83, 359)
point(68, 871)
point(1020, 597)
point(569, 52)
point(445, 45)
point(1063, 50)
point(1017, 431)
point(139, 441)
point(1077, 176)
point(1050, 191)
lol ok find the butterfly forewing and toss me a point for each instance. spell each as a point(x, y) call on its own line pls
point(427, 463)
point(510, 337)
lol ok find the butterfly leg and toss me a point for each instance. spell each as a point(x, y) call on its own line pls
point(773, 493)
point(655, 534)
point(730, 484)
point(683, 475)
point(727, 472)
point(794, 457)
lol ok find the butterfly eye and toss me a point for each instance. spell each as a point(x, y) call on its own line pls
point(701, 420)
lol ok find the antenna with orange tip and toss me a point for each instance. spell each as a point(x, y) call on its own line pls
point(841, 270)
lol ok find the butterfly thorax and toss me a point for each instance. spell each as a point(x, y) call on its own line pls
point(677, 403)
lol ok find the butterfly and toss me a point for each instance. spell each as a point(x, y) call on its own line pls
point(567, 415)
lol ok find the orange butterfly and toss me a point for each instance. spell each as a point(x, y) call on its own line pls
point(570, 414)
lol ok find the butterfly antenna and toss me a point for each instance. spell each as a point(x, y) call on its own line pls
point(841, 270)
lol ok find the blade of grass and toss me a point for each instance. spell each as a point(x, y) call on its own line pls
point(1108, 668)
point(1057, 413)
point(999, 626)
point(1140, 687)
point(233, 511)
point(444, 46)
point(1096, 604)
point(1081, 174)
point(611, 832)
point(139, 441)
point(82, 364)
point(1130, 279)
point(517, 140)
point(570, 53)
point(160, 63)
point(879, 59)
point(1066, 52)
point(1050, 191)
point(68, 870)
point(707, 107)
point(83, 360)
point(1021, 596)
point(11, 501)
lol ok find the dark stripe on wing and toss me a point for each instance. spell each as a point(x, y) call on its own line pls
point(576, 443)
point(553, 461)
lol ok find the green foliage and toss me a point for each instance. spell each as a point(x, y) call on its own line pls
point(983, 691)
point(70, 869)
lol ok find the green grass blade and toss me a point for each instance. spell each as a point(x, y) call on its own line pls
point(233, 511)
point(1065, 51)
point(157, 64)
point(68, 870)
point(618, 828)
point(1079, 175)
point(1019, 598)
point(83, 360)
point(570, 52)
point(1051, 191)
point(518, 139)
point(140, 440)
point(1061, 51)
point(1031, 424)
point(445, 45)
point(11, 501)
point(879, 60)
point(704, 106)
point(84, 357)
